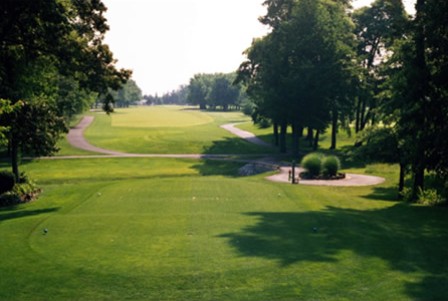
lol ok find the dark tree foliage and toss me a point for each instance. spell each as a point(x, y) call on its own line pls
point(418, 93)
point(178, 96)
point(127, 95)
point(301, 74)
point(48, 49)
point(377, 27)
point(215, 91)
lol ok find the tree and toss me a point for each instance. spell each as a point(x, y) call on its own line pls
point(376, 29)
point(127, 95)
point(222, 91)
point(299, 73)
point(72, 99)
point(418, 92)
point(198, 90)
point(47, 48)
point(36, 129)
point(261, 74)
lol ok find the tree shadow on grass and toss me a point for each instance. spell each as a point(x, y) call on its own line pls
point(409, 238)
point(9, 213)
point(218, 168)
point(236, 145)
point(384, 194)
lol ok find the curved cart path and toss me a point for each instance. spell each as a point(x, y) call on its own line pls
point(248, 136)
point(76, 138)
point(349, 181)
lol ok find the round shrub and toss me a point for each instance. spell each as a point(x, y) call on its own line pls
point(331, 166)
point(312, 164)
point(7, 181)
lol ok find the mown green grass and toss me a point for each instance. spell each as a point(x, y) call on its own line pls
point(344, 138)
point(178, 229)
point(182, 235)
point(169, 129)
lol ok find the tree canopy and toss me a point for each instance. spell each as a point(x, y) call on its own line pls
point(52, 57)
point(323, 65)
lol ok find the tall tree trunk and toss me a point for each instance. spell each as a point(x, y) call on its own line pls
point(296, 129)
point(310, 136)
point(358, 120)
point(300, 130)
point(282, 140)
point(363, 119)
point(419, 179)
point(276, 141)
point(402, 175)
point(15, 159)
point(419, 162)
point(358, 116)
point(316, 141)
point(334, 129)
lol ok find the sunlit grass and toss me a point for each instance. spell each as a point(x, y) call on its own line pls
point(159, 116)
point(160, 229)
point(179, 135)
point(180, 229)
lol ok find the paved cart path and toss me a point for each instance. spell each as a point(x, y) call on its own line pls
point(349, 181)
point(76, 138)
point(248, 136)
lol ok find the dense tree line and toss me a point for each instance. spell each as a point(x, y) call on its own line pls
point(324, 66)
point(53, 64)
point(175, 97)
point(129, 94)
point(215, 91)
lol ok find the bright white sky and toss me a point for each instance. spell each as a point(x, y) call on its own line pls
point(166, 42)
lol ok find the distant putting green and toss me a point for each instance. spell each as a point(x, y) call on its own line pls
point(169, 130)
point(159, 116)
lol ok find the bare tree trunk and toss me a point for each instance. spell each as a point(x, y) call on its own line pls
point(295, 139)
point(363, 118)
point(334, 128)
point(300, 131)
point(358, 116)
point(419, 161)
point(15, 159)
point(282, 140)
point(310, 136)
point(419, 180)
point(316, 140)
point(276, 140)
point(402, 175)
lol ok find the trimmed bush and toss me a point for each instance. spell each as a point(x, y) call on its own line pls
point(7, 181)
point(331, 166)
point(312, 164)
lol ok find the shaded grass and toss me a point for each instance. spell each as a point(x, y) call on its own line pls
point(344, 139)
